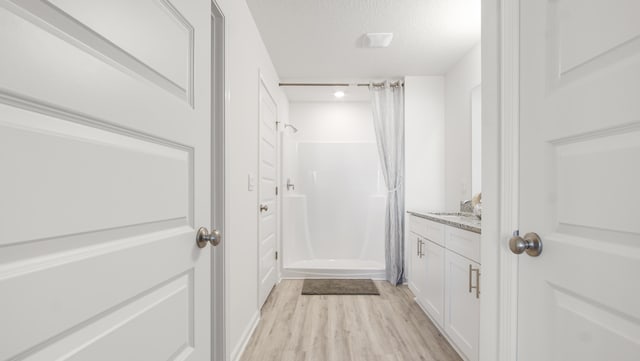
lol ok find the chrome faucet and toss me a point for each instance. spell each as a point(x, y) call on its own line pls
point(466, 206)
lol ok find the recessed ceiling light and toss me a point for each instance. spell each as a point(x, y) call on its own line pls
point(377, 40)
point(338, 94)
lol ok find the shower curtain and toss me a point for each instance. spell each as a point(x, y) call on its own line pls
point(387, 100)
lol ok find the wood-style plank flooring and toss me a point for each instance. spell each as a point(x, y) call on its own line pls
point(389, 327)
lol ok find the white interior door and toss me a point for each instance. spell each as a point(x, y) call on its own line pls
point(104, 161)
point(579, 178)
point(268, 274)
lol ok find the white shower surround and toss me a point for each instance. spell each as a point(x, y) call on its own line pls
point(306, 256)
point(335, 268)
point(333, 222)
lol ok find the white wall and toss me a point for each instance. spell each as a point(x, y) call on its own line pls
point(332, 121)
point(459, 81)
point(424, 143)
point(246, 57)
point(337, 121)
point(424, 149)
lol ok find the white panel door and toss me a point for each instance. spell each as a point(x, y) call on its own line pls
point(104, 161)
point(267, 269)
point(579, 179)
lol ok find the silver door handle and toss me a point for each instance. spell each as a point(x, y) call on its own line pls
point(531, 243)
point(264, 208)
point(203, 237)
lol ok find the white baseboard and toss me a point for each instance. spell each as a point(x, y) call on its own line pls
point(246, 336)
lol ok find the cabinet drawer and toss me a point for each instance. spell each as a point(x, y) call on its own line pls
point(430, 230)
point(464, 243)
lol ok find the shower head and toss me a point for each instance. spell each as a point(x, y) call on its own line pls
point(295, 130)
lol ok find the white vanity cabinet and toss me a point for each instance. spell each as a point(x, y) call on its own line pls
point(427, 278)
point(445, 276)
point(462, 302)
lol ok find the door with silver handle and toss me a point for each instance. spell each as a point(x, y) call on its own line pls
point(530, 243)
point(203, 237)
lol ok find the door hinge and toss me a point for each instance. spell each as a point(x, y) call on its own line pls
point(276, 255)
point(276, 190)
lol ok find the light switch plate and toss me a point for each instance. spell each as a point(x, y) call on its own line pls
point(251, 182)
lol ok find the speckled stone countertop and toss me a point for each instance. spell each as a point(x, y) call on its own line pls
point(466, 221)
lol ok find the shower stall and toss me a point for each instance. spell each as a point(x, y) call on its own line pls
point(333, 209)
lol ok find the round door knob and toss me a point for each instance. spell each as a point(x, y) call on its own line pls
point(530, 243)
point(203, 237)
point(264, 208)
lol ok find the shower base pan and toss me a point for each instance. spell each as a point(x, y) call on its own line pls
point(334, 268)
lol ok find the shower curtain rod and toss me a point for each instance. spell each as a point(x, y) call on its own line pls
point(328, 84)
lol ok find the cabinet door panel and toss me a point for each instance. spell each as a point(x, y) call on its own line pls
point(433, 289)
point(417, 271)
point(462, 316)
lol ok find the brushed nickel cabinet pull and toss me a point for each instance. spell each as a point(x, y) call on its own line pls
point(477, 282)
point(477, 286)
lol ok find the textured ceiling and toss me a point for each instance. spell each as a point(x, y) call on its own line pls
point(320, 40)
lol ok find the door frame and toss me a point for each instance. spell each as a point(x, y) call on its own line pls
point(500, 178)
point(220, 204)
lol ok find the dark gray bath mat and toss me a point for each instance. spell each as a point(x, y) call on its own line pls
point(339, 287)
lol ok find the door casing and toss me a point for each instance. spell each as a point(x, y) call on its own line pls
point(219, 109)
point(500, 169)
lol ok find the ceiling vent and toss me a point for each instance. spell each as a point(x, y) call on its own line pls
point(377, 40)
